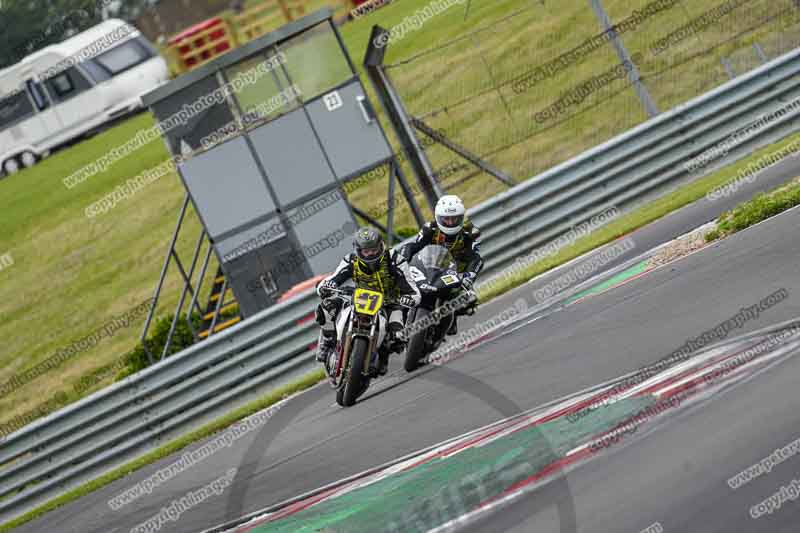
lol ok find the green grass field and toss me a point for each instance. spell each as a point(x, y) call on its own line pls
point(72, 274)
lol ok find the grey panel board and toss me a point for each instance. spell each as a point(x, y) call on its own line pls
point(204, 121)
point(284, 273)
point(239, 273)
point(227, 186)
point(273, 258)
point(349, 141)
point(292, 159)
point(326, 236)
point(250, 239)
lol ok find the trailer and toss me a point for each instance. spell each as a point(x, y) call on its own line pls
point(66, 91)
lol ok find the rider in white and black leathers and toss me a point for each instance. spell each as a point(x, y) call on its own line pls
point(454, 231)
point(370, 266)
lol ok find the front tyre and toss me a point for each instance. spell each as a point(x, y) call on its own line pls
point(355, 382)
point(416, 345)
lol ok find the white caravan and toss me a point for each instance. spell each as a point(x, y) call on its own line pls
point(67, 90)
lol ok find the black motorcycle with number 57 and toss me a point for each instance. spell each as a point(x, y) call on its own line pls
point(434, 271)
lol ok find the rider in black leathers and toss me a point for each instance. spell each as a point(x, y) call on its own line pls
point(370, 266)
point(453, 230)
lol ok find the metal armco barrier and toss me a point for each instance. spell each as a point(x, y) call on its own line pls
point(138, 414)
point(141, 412)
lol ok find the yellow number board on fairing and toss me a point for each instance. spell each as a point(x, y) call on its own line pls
point(449, 279)
point(367, 302)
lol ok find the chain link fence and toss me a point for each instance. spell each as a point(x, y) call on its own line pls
point(530, 88)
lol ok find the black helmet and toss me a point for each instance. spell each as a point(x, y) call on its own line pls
point(369, 246)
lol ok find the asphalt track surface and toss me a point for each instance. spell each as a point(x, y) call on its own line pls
point(672, 477)
point(676, 476)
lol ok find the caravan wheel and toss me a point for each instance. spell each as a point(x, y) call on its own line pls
point(28, 159)
point(11, 166)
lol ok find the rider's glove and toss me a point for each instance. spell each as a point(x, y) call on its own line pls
point(467, 279)
point(327, 287)
point(407, 300)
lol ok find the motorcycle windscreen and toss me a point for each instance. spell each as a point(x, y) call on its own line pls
point(437, 257)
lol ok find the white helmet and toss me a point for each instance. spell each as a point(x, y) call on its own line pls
point(450, 214)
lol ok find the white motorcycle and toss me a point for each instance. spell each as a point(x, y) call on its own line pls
point(360, 332)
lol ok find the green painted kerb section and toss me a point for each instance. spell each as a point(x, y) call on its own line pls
point(619, 278)
point(434, 493)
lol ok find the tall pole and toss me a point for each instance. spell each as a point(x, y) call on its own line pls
point(641, 90)
point(401, 123)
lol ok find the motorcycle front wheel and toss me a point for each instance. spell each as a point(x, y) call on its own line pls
point(355, 381)
point(415, 350)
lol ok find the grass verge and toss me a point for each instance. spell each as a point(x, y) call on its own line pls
point(763, 206)
point(208, 430)
point(758, 209)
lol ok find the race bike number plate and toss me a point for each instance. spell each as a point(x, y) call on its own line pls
point(367, 302)
point(449, 279)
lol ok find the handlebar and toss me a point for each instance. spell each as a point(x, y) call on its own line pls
point(347, 293)
point(337, 293)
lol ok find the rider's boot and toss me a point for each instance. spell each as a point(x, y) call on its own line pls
point(469, 310)
point(472, 305)
point(326, 345)
point(383, 361)
point(453, 329)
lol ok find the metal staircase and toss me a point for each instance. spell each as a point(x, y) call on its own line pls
point(217, 308)
point(217, 315)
